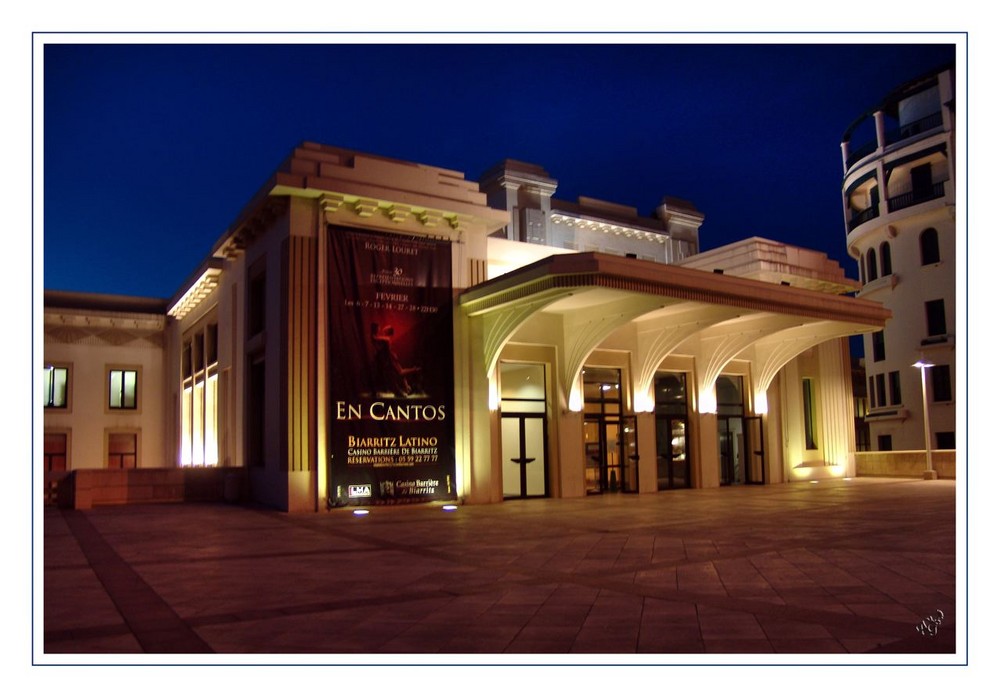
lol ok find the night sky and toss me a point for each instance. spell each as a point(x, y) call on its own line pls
point(152, 150)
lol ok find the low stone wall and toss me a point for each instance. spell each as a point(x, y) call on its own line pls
point(904, 463)
point(84, 489)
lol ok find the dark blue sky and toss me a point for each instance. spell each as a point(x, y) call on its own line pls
point(152, 150)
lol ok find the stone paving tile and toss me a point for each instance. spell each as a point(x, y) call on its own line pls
point(561, 615)
point(124, 643)
point(782, 629)
point(844, 567)
point(555, 638)
point(808, 646)
point(660, 577)
point(741, 646)
point(701, 577)
point(719, 624)
point(606, 640)
point(76, 599)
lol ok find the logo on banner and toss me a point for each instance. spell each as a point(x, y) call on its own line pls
point(359, 490)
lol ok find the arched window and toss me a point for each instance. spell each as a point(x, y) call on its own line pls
point(929, 252)
point(861, 271)
point(886, 255)
point(872, 265)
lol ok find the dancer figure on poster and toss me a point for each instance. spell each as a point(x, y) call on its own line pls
point(390, 376)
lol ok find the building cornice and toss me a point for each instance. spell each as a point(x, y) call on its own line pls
point(592, 269)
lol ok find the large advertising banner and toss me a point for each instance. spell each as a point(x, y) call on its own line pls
point(391, 414)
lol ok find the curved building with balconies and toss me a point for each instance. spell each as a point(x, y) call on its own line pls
point(899, 212)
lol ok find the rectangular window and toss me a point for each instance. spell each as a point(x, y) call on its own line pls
point(878, 346)
point(122, 451)
point(945, 439)
point(936, 324)
point(895, 389)
point(885, 442)
point(809, 413)
point(941, 383)
point(256, 301)
point(880, 387)
point(122, 389)
point(55, 452)
point(55, 384)
point(199, 400)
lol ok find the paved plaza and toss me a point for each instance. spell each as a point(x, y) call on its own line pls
point(838, 567)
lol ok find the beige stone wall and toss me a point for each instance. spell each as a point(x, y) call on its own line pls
point(904, 463)
point(87, 420)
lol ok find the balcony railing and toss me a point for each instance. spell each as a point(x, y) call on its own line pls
point(912, 198)
point(861, 151)
point(914, 129)
point(862, 216)
point(894, 135)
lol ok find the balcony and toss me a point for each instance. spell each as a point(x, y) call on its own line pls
point(915, 128)
point(861, 151)
point(895, 135)
point(862, 216)
point(912, 198)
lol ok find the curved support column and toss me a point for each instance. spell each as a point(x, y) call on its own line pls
point(718, 350)
point(582, 332)
point(657, 338)
point(499, 325)
point(774, 353)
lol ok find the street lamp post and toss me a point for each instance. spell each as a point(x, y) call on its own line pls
point(929, 472)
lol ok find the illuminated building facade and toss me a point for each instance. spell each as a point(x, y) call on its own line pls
point(377, 331)
point(899, 211)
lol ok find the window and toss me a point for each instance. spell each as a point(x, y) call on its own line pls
point(602, 392)
point(941, 383)
point(929, 252)
point(522, 387)
point(895, 389)
point(123, 452)
point(878, 346)
point(54, 452)
point(256, 411)
point(872, 266)
point(200, 398)
point(920, 177)
point(885, 442)
point(880, 387)
point(886, 254)
point(809, 413)
point(729, 393)
point(671, 394)
point(256, 300)
point(55, 386)
point(936, 324)
point(945, 439)
point(123, 389)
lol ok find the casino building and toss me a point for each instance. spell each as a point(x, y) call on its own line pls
point(375, 331)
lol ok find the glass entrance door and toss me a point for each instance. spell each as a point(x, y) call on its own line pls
point(612, 450)
point(753, 429)
point(523, 430)
point(525, 471)
point(672, 465)
point(741, 451)
point(731, 451)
